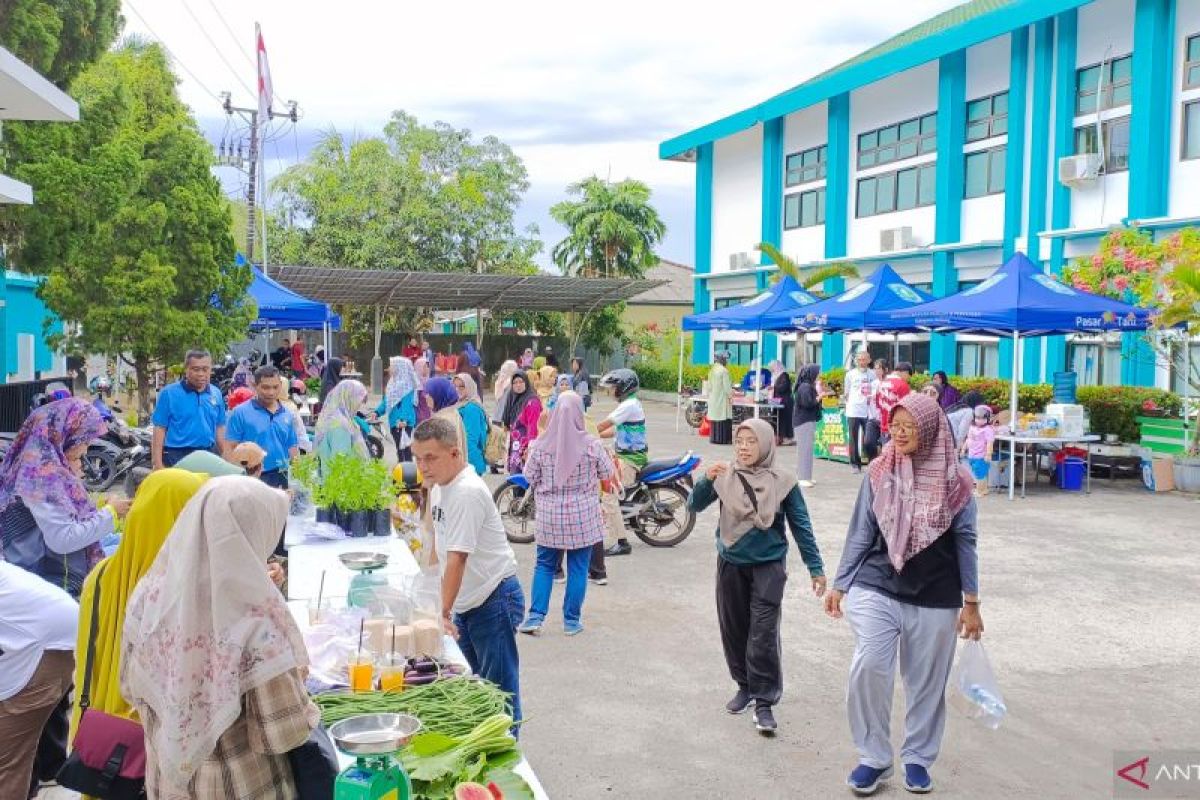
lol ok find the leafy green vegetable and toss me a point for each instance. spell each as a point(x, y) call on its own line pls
point(436, 763)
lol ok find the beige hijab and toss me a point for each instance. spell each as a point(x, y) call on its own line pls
point(206, 625)
point(770, 485)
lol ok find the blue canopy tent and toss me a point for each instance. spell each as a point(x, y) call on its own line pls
point(280, 307)
point(780, 302)
point(1020, 299)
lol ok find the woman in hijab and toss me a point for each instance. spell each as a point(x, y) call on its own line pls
point(545, 381)
point(474, 421)
point(399, 403)
point(337, 428)
point(564, 470)
point(759, 502)
point(527, 359)
point(781, 391)
point(243, 375)
point(500, 388)
point(908, 566)
point(563, 384)
point(221, 713)
point(423, 370)
point(48, 524)
point(157, 505)
point(947, 394)
point(581, 382)
point(805, 414)
point(521, 414)
point(330, 377)
point(720, 401)
point(442, 400)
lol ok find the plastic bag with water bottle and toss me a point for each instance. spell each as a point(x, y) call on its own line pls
point(974, 690)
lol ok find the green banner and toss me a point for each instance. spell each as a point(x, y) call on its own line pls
point(832, 435)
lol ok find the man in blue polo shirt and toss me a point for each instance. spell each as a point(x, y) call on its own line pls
point(190, 414)
point(265, 422)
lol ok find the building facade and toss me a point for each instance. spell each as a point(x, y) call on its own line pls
point(995, 127)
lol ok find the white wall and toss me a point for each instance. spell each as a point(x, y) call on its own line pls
point(737, 196)
point(987, 67)
point(805, 244)
point(911, 93)
point(1185, 175)
point(983, 218)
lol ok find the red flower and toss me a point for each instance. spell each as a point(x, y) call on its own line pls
point(1121, 283)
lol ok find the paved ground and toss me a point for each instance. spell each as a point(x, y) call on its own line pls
point(1090, 604)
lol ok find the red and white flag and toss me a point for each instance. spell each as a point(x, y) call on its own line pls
point(265, 91)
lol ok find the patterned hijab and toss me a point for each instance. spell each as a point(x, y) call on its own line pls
point(402, 382)
point(769, 483)
point(338, 413)
point(205, 625)
point(35, 467)
point(918, 496)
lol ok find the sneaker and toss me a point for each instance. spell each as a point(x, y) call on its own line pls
point(560, 577)
point(807, 484)
point(531, 626)
point(741, 702)
point(599, 580)
point(621, 548)
point(865, 780)
point(917, 780)
point(572, 628)
point(764, 720)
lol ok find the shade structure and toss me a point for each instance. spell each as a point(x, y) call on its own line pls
point(780, 303)
point(1021, 298)
point(866, 306)
point(280, 308)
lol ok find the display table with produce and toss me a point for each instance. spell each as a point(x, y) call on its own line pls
point(462, 747)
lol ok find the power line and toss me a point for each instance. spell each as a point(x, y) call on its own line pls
point(237, 43)
point(216, 49)
point(174, 57)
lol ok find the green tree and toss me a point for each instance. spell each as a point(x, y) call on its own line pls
point(808, 278)
point(58, 38)
point(612, 229)
point(130, 227)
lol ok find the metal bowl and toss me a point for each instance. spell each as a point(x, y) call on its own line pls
point(374, 734)
point(361, 560)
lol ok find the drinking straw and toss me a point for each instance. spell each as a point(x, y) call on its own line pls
point(393, 638)
point(320, 591)
point(362, 625)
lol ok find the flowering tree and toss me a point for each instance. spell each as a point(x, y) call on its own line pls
point(1131, 266)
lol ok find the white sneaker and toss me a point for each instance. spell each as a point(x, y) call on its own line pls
point(807, 484)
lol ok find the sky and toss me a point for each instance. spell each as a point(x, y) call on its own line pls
point(574, 89)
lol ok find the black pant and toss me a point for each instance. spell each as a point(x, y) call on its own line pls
point(858, 426)
point(596, 568)
point(871, 441)
point(749, 606)
point(402, 454)
point(173, 455)
point(52, 745)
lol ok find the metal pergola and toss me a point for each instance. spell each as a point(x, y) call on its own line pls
point(384, 289)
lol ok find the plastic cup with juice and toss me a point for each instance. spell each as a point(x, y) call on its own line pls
point(361, 669)
point(391, 672)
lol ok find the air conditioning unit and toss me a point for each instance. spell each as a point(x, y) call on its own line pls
point(892, 239)
point(1081, 170)
point(740, 261)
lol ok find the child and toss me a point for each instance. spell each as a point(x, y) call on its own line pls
point(977, 446)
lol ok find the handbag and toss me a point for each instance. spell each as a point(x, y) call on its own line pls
point(314, 766)
point(108, 758)
point(497, 445)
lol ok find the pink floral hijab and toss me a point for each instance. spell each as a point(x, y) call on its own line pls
point(206, 625)
point(35, 467)
point(918, 496)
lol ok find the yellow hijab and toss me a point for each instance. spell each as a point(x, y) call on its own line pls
point(158, 503)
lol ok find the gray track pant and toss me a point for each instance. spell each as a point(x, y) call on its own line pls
point(925, 638)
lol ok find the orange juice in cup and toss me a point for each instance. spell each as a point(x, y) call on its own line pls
point(362, 672)
point(391, 672)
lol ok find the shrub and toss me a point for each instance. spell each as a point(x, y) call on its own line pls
point(659, 377)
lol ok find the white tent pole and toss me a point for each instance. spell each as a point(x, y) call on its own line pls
point(895, 348)
point(754, 382)
point(679, 383)
point(1013, 414)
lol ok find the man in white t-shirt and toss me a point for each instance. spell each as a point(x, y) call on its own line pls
point(38, 622)
point(860, 393)
point(482, 601)
point(626, 426)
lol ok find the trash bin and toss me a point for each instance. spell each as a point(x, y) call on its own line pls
point(1071, 473)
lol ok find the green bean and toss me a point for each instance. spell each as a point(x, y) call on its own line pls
point(453, 706)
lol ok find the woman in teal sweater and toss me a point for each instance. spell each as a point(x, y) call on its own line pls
point(476, 424)
point(399, 402)
point(759, 501)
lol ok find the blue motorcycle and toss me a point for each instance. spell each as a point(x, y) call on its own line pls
point(655, 507)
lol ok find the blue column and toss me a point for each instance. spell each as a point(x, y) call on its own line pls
point(772, 210)
point(1149, 147)
point(951, 135)
point(702, 340)
point(1067, 27)
point(837, 209)
point(1040, 147)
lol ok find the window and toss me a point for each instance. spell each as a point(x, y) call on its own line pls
point(1183, 365)
point(804, 209)
point(805, 166)
point(964, 285)
point(1190, 141)
point(978, 359)
point(1116, 143)
point(1095, 364)
point(984, 173)
point(927, 287)
point(788, 356)
point(896, 142)
point(726, 302)
point(915, 353)
point(1117, 89)
point(739, 352)
point(896, 191)
point(987, 117)
point(1191, 63)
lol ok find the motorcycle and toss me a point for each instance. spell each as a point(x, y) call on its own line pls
point(115, 455)
point(654, 508)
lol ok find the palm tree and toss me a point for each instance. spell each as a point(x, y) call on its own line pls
point(612, 229)
point(807, 278)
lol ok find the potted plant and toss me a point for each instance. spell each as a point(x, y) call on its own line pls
point(385, 498)
point(343, 485)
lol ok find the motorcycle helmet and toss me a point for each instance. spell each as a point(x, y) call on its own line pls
point(38, 400)
point(406, 476)
point(239, 396)
point(57, 391)
point(624, 382)
point(101, 385)
point(299, 386)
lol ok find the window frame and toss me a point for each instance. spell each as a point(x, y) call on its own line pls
point(923, 142)
point(798, 198)
point(990, 153)
point(735, 350)
point(991, 118)
point(1188, 64)
point(1104, 103)
point(1183, 133)
point(892, 178)
point(725, 302)
point(817, 167)
point(1107, 126)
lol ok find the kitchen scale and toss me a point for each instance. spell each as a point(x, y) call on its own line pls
point(363, 585)
point(373, 740)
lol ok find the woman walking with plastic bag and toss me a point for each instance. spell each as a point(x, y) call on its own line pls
point(909, 578)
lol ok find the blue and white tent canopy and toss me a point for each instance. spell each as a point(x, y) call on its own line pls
point(280, 308)
point(780, 303)
point(863, 307)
